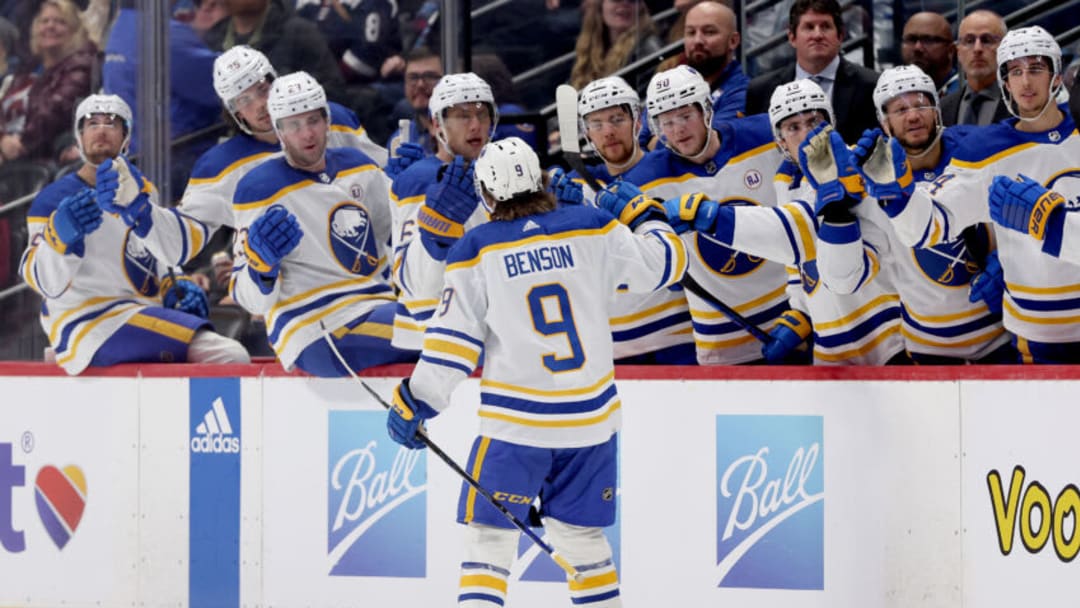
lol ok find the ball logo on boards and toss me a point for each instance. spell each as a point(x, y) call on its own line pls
point(1041, 517)
point(377, 519)
point(770, 493)
point(59, 495)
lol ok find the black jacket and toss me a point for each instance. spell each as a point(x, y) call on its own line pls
point(852, 96)
point(950, 108)
point(292, 44)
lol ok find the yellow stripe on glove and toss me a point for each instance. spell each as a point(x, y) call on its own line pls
point(1040, 213)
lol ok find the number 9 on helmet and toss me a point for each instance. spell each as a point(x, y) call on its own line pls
point(506, 169)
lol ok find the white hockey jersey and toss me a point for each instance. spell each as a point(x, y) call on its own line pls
point(933, 282)
point(755, 287)
point(846, 290)
point(88, 298)
point(533, 295)
point(209, 194)
point(1042, 297)
point(417, 276)
point(340, 269)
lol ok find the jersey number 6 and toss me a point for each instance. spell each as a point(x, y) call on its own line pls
point(562, 323)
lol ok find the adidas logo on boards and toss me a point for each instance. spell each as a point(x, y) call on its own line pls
point(214, 433)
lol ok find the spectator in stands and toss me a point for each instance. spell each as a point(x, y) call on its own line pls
point(709, 44)
point(363, 36)
point(291, 43)
point(978, 101)
point(201, 15)
point(927, 42)
point(489, 67)
point(193, 104)
point(37, 108)
point(423, 69)
point(614, 33)
point(815, 29)
point(9, 37)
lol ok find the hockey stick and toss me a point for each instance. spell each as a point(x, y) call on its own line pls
point(570, 570)
point(695, 288)
point(566, 100)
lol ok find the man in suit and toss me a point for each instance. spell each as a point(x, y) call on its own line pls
point(815, 30)
point(978, 101)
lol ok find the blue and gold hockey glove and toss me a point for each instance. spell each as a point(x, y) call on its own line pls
point(407, 417)
point(183, 294)
point(448, 204)
point(791, 330)
point(989, 284)
point(629, 204)
point(885, 170)
point(270, 238)
point(1025, 205)
point(566, 190)
point(76, 216)
point(830, 168)
point(694, 212)
point(122, 190)
point(404, 156)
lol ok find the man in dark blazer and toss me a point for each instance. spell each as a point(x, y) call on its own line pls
point(978, 101)
point(815, 30)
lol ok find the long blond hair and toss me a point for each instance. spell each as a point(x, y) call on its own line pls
point(71, 16)
point(596, 55)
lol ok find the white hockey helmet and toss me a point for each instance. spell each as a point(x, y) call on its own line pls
point(901, 79)
point(1031, 41)
point(113, 105)
point(237, 69)
point(294, 94)
point(507, 168)
point(608, 92)
point(680, 86)
point(794, 98)
point(466, 87)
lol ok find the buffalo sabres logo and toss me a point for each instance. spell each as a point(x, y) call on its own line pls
point(140, 266)
point(722, 259)
point(351, 239)
point(1054, 136)
point(947, 264)
point(809, 274)
point(1067, 184)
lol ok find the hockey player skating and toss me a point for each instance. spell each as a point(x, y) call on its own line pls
point(430, 212)
point(730, 162)
point(833, 240)
point(531, 290)
point(1040, 305)
point(315, 233)
point(107, 299)
point(950, 293)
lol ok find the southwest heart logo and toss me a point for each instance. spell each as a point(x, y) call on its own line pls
point(61, 497)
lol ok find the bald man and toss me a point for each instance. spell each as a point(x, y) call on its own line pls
point(710, 39)
point(978, 101)
point(927, 42)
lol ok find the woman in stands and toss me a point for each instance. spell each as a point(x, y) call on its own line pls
point(36, 110)
point(614, 33)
